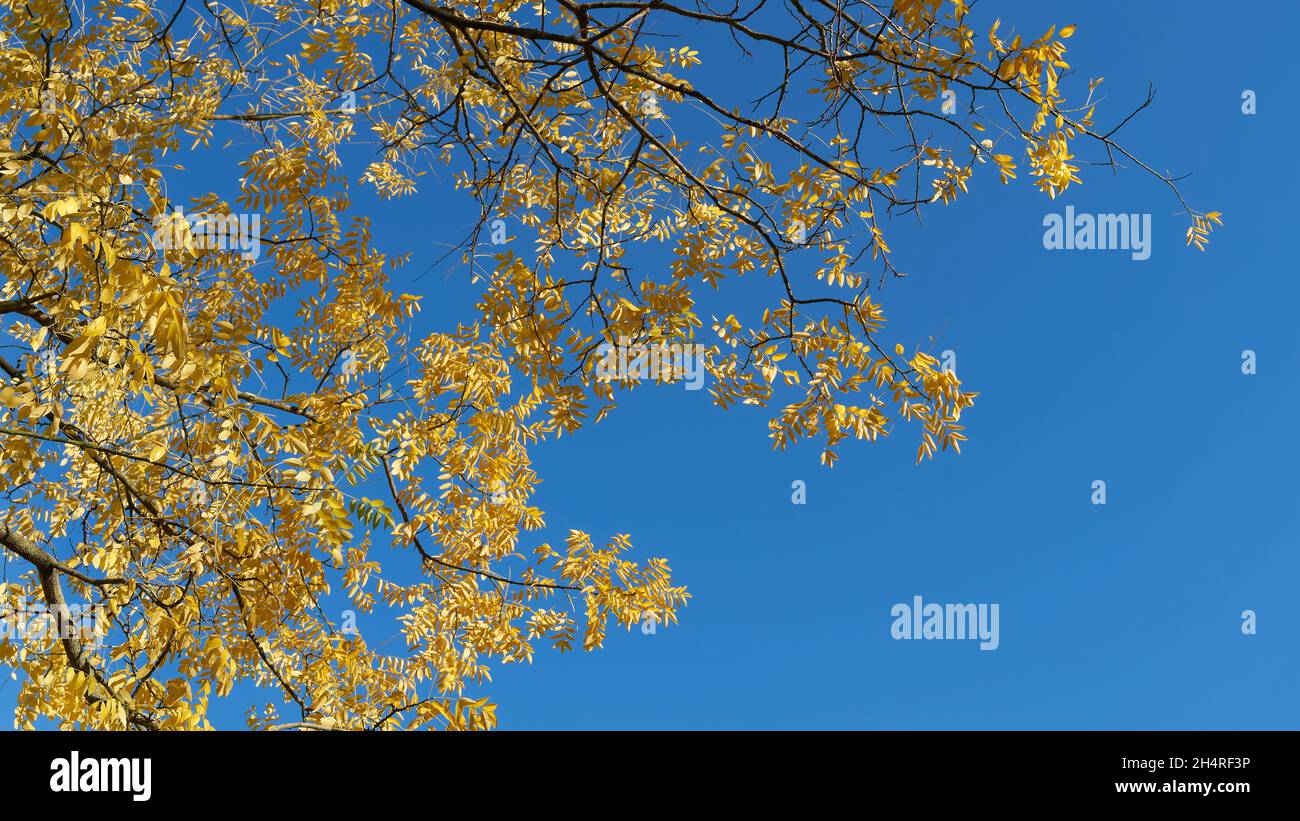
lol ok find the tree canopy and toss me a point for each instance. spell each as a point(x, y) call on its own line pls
point(208, 440)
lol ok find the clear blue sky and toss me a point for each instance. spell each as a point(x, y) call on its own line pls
point(1090, 365)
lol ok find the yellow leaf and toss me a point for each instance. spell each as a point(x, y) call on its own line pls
point(81, 346)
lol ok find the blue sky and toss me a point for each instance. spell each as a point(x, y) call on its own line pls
point(1090, 366)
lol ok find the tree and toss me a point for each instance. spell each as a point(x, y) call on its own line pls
point(188, 429)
